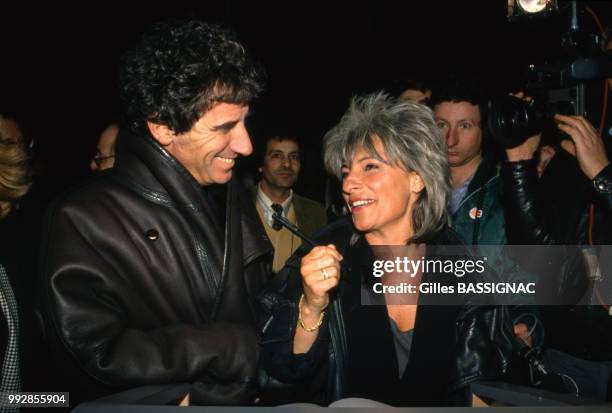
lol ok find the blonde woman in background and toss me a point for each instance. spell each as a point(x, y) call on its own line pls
point(14, 183)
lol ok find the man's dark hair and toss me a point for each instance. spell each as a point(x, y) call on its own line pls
point(462, 90)
point(281, 137)
point(277, 134)
point(179, 70)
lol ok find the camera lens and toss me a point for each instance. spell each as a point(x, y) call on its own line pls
point(512, 120)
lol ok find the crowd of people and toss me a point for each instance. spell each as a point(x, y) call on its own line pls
point(166, 267)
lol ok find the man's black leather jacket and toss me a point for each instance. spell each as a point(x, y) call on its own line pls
point(145, 282)
point(537, 225)
point(482, 348)
point(584, 331)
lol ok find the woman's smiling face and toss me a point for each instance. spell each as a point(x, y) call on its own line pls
point(380, 195)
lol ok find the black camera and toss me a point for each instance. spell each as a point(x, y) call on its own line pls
point(574, 89)
point(570, 86)
point(513, 120)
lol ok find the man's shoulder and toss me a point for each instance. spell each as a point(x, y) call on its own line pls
point(83, 189)
point(487, 179)
point(252, 190)
point(310, 214)
point(487, 173)
point(90, 196)
point(308, 203)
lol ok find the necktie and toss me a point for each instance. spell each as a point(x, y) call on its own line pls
point(278, 209)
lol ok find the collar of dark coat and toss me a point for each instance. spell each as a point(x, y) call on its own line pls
point(487, 170)
point(161, 178)
point(143, 161)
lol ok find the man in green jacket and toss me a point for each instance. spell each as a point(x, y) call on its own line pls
point(476, 210)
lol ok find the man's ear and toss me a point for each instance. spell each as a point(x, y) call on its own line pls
point(162, 133)
point(416, 182)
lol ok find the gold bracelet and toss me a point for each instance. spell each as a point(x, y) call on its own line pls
point(308, 329)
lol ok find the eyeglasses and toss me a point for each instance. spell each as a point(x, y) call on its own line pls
point(99, 158)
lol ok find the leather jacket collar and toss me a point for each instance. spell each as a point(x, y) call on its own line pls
point(486, 171)
point(146, 163)
point(146, 167)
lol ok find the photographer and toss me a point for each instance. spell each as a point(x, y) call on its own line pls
point(477, 213)
point(579, 338)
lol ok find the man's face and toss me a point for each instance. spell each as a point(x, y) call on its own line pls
point(210, 148)
point(282, 164)
point(416, 96)
point(104, 157)
point(459, 123)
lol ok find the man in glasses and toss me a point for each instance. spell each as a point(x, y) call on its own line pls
point(104, 158)
point(151, 270)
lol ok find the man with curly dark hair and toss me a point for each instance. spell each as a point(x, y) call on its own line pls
point(151, 269)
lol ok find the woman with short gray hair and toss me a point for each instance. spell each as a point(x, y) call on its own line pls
point(323, 335)
point(411, 140)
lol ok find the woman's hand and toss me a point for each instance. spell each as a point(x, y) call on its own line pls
point(586, 144)
point(320, 270)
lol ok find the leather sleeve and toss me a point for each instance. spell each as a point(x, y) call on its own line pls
point(113, 323)
point(523, 212)
point(281, 305)
point(485, 339)
point(530, 227)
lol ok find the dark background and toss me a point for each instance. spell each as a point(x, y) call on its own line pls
point(59, 63)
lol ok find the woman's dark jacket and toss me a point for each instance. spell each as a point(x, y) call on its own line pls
point(554, 210)
point(452, 345)
point(148, 280)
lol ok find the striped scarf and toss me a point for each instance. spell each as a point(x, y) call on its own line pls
point(10, 380)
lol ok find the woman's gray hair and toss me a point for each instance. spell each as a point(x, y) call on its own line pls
point(411, 140)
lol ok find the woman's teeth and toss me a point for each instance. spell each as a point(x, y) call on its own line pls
point(362, 202)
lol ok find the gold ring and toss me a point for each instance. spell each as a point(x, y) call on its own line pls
point(325, 274)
